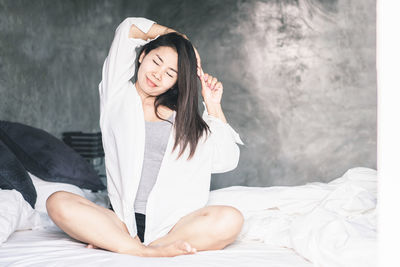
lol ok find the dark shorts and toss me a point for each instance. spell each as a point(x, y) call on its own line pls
point(140, 224)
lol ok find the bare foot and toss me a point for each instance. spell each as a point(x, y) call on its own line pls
point(171, 250)
point(91, 246)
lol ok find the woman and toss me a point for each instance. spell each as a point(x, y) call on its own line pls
point(159, 151)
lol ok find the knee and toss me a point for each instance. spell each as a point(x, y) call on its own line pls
point(229, 222)
point(57, 204)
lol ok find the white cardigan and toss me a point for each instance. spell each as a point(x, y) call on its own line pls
point(182, 185)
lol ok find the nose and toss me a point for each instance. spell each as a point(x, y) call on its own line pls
point(157, 74)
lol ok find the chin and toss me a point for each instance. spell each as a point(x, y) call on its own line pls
point(146, 89)
point(152, 92)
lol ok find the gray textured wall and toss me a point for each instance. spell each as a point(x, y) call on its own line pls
point(299, 75)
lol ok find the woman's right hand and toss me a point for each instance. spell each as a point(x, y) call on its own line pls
point(168, 30)
point(157, 29)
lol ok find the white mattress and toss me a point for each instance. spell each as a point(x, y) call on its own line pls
point(52, 247)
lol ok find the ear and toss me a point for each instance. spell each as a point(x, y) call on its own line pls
point(141, 57)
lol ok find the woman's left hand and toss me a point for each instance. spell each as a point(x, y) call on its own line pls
point(212, 89)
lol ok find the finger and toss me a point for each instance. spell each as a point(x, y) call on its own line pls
point(206, 76)
point(218, 86)
point(199, 63)
point(202, 79)
point(200, 72)
point(188, 247)
point(197, 57)
point(209, 80)
point(198, 60)
point(213, 83)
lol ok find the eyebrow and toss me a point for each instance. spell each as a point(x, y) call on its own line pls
point(163, 62)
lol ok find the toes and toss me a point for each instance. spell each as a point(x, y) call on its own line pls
point(188, 248)
point(91, 246)
point(176, 248)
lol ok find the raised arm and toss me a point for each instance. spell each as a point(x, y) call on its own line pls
point(119, 65)
point(223, 137)
point(155, 30)
point(211, 90)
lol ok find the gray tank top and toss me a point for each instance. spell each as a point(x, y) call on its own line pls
point(156, 140)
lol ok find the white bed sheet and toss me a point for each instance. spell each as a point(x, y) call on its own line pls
point(329, 224)
point(52, 247)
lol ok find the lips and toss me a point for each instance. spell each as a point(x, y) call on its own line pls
point(150, 83)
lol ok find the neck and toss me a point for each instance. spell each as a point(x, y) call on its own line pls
point(148, 106)
point(146, 98)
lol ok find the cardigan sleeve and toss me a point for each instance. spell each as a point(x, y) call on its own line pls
point(224, 139)
point(119, 65)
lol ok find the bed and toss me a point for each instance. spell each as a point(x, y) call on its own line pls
point(53, 248)
point(316, 224)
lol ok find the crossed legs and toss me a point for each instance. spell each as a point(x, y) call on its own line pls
point(208, 228)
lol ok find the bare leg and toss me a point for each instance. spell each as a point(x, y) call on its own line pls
point(90, 223)
point(208, 228)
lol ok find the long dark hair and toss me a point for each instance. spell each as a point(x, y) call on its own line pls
point(183, 96)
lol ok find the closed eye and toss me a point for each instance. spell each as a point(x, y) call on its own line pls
point(155, 62)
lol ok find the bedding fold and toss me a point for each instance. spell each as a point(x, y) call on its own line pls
point(331, 224)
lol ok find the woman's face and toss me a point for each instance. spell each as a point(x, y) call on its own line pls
point(158, 70)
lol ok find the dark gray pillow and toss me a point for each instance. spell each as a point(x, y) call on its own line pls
point(47, 157)
point(14, 176)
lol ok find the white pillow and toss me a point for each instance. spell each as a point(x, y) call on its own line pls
point(44, 189)
point(16, 214)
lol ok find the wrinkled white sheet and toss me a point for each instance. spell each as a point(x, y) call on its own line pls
point(331, 224)
point(47, 245)
point(52, 247)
